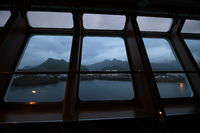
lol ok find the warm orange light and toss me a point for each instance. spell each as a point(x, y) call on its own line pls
point(181, 85)
point(33, 91)
point(31, 103)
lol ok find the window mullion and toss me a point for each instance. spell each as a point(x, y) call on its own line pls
point(9, 53)
point(138, 61)
point(70, 100)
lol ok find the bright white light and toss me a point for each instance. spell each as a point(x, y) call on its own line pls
point(33, 91)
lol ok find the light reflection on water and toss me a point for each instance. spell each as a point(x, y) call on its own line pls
point(93, 90)
point(174, 90)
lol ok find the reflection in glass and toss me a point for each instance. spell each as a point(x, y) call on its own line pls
point(4, 16)
point(161, 55)
point(104, 54)
point(154, 24)
point(46, 53)
point(36, 88)
point(106, 22)
point(173, 85)
point(50, 19)
point(194, 46)
point(191, 26)
point(96, 87)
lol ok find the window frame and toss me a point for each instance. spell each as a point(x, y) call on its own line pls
point(111, 30)
point(189, 33)
point(174, 99)
point(167, 36)
point(21, 54)
point(10, 14)
point(167, 31)
point(104, 72)
point(94, 110)
point(43, 28)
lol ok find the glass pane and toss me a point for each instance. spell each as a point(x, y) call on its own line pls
point(96, 87)
point(173, 85)
point(194, 46)
point(161, 55)
point(50, 19)
point(154, 23)
point(4, 16)
point(36, 88)
point(104, 54)
point(107, 22)
point(191, 26)
point(46, 53)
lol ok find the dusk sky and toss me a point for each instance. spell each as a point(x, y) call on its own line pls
point(158, 50)
point(194, 46)
point(42, 47)
point(4, 16)
point(191, 26)
point(154, 23)
point(95, 49)
point(50, 19)
point(113, 22)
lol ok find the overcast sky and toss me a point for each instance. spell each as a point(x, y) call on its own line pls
point(95, 49)
point(113, 22)
point(158, 50)
point(154, 23)
point(50, 19)
point(191, 26)
point(4, 16)
point(40, 48)
point(194, 46)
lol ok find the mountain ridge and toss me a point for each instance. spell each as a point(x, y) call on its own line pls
point(60, 65)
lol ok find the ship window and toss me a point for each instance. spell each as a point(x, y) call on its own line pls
point(108, 56)
point(46, 53)
point(38, 19)
point(191, 26)
point(194, 47)
point(5, 15)
point(33, 88)
point(173, 85)
point(104, 22)
point(163, 59)
point(104, 54)
point(154, 24)
point(161, 56)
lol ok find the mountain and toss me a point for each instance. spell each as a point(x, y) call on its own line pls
point(119, 65)
point(50, 65)
point(114, 64)
point(55, 65)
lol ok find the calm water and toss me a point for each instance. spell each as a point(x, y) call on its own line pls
point(174, 89)
point(92, 90)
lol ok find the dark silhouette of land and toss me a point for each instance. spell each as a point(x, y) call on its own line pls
point(55, 65)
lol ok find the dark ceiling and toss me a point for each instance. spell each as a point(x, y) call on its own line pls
point(180, 7)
